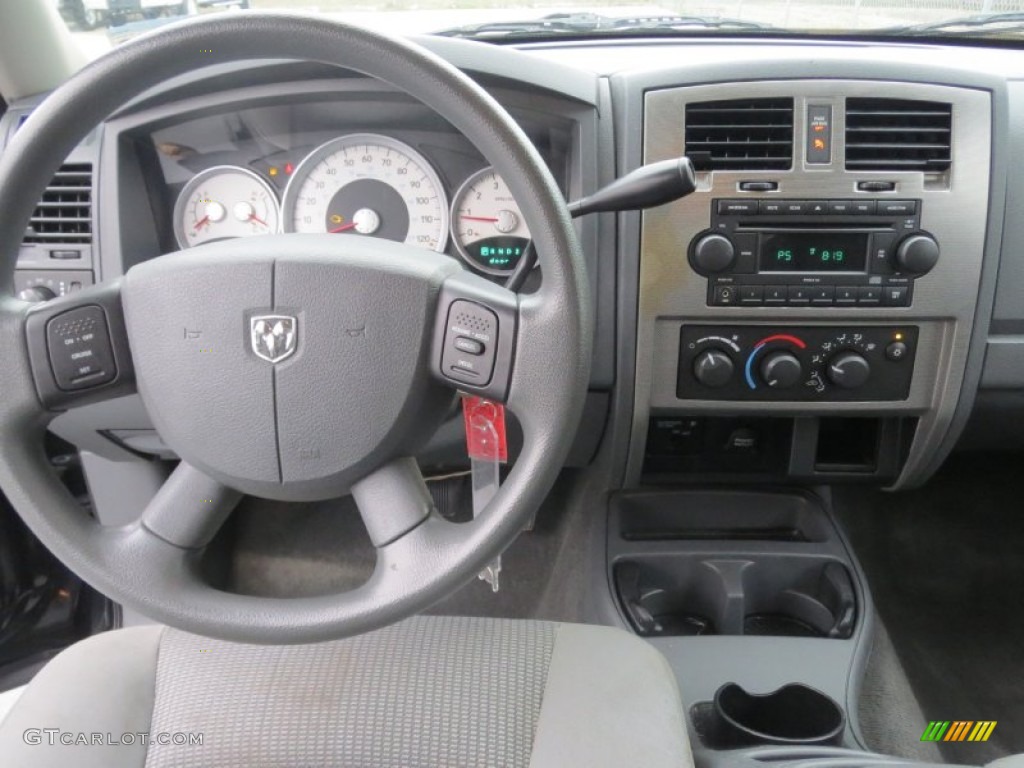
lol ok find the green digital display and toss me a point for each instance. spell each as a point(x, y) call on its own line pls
point(814, 252)
point(498, 253)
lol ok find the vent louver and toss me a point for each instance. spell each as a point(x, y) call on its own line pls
point(64, 214)
point(898, 135)
point(740, 134)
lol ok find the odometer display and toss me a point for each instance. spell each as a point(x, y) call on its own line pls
point(814, 252)
point(369, 185)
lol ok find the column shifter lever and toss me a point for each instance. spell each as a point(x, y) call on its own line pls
point(646, 187)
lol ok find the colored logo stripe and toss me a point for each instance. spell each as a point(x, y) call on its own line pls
point(958, 730)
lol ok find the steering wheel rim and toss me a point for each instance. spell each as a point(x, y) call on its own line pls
point(152, 565)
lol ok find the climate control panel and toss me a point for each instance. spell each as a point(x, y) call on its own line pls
point(795, 363)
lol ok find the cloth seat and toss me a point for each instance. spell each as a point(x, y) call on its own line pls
point(428, 692)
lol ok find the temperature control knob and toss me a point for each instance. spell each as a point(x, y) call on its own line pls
point(712, 253)
point(918, 253)
point(781, 370)
point(848, 370)
point(36, 293)
point(713, 368)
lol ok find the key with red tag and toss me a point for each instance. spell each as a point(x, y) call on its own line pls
point(488, 449)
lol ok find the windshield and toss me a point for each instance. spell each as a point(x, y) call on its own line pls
point(100, 24)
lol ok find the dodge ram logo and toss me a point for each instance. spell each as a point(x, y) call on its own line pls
point(273, 336)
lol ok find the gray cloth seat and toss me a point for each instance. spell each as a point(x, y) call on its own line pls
point(430, 691)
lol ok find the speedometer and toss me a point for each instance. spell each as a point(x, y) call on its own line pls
point(368, 185)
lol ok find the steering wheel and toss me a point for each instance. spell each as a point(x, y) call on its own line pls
point(292, 367)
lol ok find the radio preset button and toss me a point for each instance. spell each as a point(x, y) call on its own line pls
point(799, 294)
point(822, 294)
point(775, 294)
point(846, 294)
point(751, 294)
point(870, 294)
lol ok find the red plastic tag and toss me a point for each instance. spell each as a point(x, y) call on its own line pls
point(485, 429)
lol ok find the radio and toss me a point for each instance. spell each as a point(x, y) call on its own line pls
point(813, 252)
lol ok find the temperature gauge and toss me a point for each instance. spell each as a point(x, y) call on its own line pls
point(224, 202)
point(487, 225)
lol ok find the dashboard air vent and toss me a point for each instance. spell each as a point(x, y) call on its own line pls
point(740, 134)
point(64, 214)
point(898, 135)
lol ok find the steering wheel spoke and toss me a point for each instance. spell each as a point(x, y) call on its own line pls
point(392, 501)
point(78, 349)
point(189, 508)
point(475, 336)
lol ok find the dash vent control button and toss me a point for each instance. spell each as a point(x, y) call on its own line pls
point(81, 355)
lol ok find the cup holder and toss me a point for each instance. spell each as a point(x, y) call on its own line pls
point(792, 714)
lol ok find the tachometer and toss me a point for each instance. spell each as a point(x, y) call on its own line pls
point(487, 225)
point(369, 185)
point(222, 202)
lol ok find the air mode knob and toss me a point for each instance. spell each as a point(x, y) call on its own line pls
point(848, 370)
point(713, 368)
point(36, 293)
point(781, 370)
point(917, 253)
point(712, 253)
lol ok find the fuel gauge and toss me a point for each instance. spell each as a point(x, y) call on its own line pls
point(487, 225)
point(224, 202)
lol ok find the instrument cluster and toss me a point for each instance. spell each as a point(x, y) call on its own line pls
point(357, 185)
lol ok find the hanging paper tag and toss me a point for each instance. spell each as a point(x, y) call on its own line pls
point(485, 429)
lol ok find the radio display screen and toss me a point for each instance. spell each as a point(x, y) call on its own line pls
point(814, 252)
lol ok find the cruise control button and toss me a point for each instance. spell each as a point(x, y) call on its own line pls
point(81, 355)
point(469, 346)
point(846, 294)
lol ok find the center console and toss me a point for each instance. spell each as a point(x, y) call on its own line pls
point(820, 286)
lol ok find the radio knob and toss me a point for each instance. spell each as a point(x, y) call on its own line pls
point(712, 253)
point(713, 368)
point(848, 370)
point(917, 253)
point(781, 370)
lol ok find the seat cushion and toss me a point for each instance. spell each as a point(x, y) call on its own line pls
point(430, 691)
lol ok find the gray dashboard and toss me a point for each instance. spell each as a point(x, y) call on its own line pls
point(598, 110)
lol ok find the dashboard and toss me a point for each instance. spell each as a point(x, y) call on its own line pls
point(841, 298)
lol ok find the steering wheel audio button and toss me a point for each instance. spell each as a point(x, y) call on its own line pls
point(468, 345)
